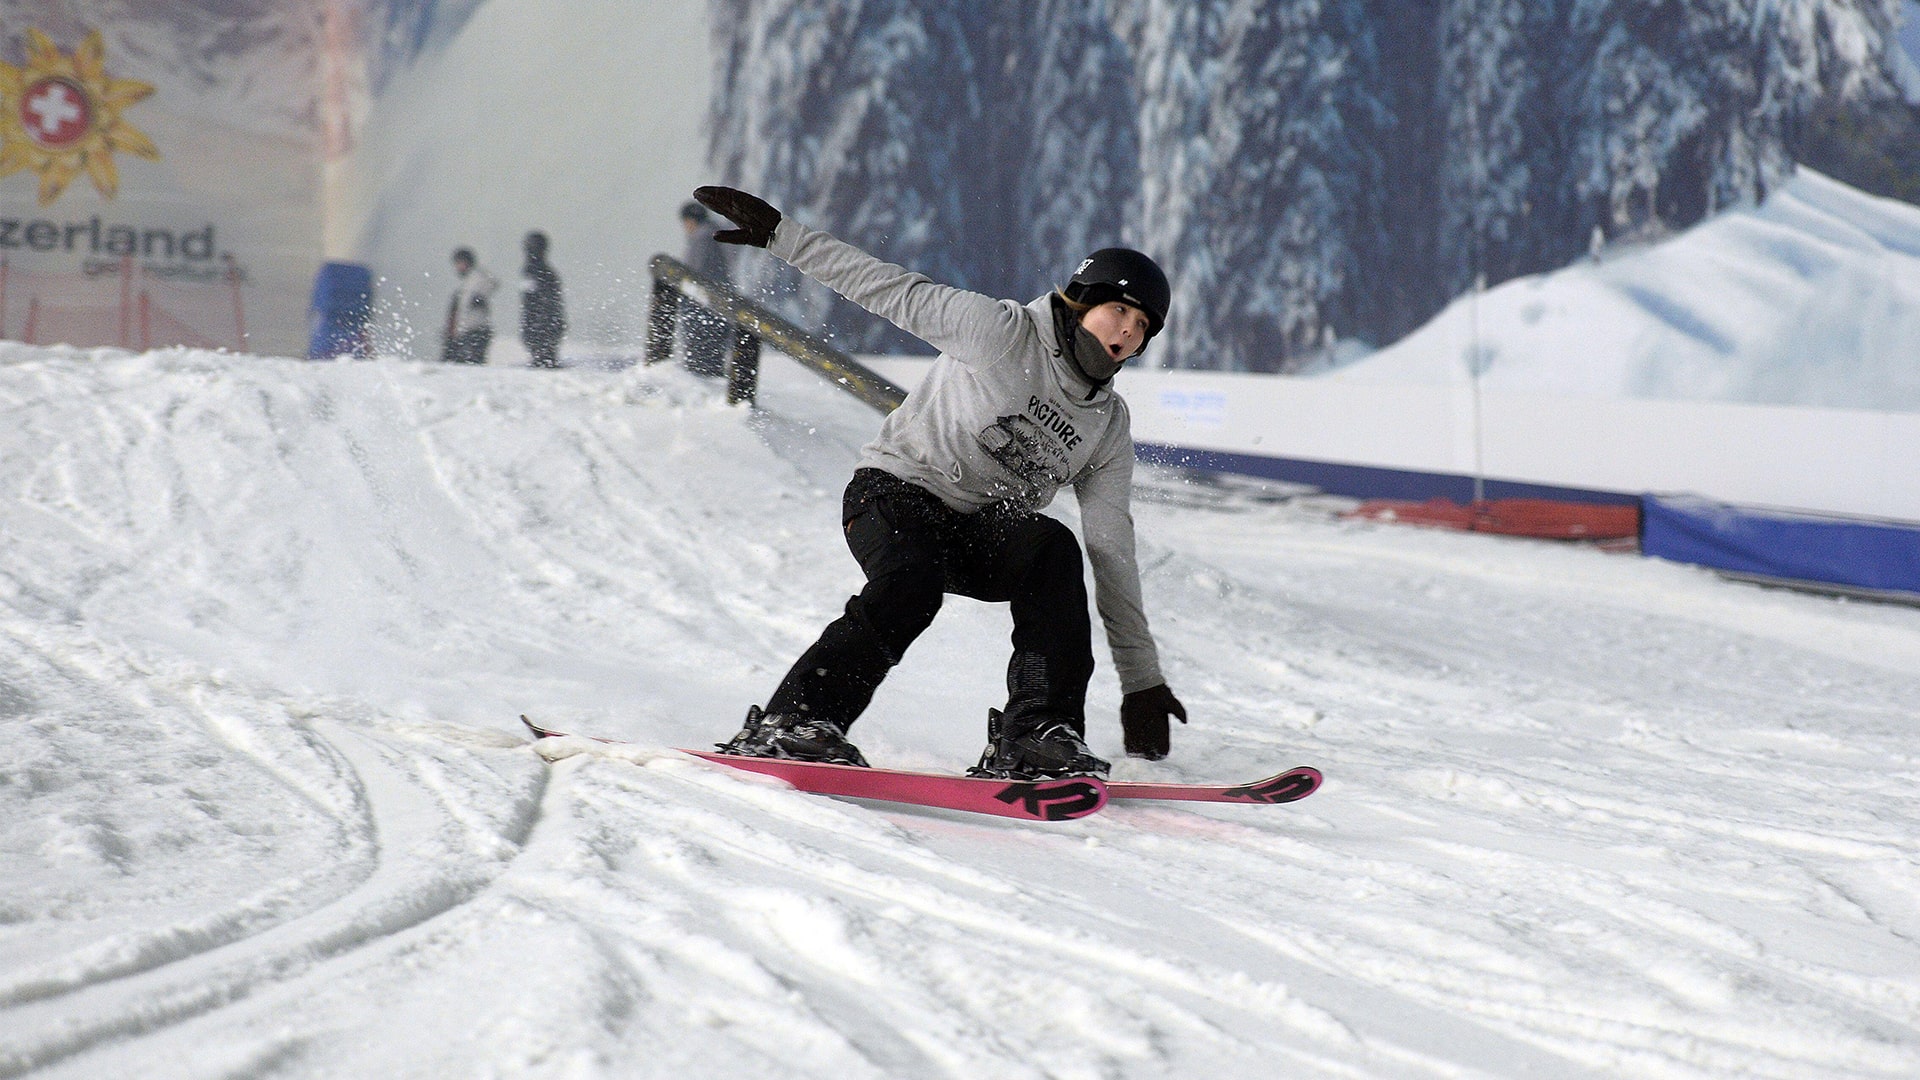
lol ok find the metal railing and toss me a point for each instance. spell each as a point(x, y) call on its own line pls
point(751, 324)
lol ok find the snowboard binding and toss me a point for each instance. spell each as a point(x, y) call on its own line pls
point(793, 738)
point(1052, 748)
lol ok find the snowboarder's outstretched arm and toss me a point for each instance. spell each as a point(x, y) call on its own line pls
point(968, 326)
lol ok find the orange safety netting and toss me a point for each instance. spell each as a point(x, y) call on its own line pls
point(122, 304)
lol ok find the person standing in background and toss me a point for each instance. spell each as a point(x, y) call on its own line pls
point(706, 338)
point(470, 313)
point(543, 314)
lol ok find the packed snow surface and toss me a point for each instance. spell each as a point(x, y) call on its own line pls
point(265, 808)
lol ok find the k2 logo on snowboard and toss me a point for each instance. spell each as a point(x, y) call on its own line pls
point(1052, 800)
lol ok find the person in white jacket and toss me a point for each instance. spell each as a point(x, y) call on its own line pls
point(945, 500)
point(470, 313)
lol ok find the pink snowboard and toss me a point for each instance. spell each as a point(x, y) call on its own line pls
point(1290, 786)
point(1035, 800)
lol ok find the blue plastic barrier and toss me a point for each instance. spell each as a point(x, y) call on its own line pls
point(341, 314)
point(1371, 481)
point(1855, 552)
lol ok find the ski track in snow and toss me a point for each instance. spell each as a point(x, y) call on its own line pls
point(266, 811)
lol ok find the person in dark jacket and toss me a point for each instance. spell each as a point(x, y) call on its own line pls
point(543, 314)
point(707, 333)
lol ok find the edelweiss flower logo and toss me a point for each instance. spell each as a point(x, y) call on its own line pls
point(60, 115)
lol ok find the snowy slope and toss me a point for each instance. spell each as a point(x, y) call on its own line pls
point(1810, 298)
point(264, 810)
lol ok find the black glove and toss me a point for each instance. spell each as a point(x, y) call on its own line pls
point(1143, 721)
point(756, 219)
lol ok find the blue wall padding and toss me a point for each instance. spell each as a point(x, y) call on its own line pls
point(1369, 481)
point(340, 313)
point(1857, 552)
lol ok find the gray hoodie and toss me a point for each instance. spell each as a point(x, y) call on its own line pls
point(1003, 416)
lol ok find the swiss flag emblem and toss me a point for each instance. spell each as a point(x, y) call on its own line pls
point(55, 112)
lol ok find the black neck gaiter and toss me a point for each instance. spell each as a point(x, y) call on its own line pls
point(1087, 355)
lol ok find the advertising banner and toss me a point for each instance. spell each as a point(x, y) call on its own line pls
point(159, 176)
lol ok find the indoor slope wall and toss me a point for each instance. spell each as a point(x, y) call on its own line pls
point(1421, 440)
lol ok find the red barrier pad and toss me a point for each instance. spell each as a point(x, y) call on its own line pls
point(1546, 519)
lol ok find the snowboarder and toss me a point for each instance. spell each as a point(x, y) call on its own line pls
point(946, 499)
point(543, 314)
point(469, 314)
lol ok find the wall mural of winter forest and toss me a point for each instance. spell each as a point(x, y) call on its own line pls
point(1317, 175)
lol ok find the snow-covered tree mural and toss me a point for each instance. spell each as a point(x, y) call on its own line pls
point(853, 116)
point(1062, 104)
point(989, 146)
point(1276, 222)
point(1495, 149)
point(1309, 171)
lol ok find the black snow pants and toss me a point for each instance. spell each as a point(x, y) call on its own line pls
point(914, 550)
point(544, 349)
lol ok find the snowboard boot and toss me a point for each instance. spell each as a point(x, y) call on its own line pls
point(1050, 747)
point(796, 738)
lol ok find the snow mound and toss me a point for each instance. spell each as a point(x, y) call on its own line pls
point(1811, 298)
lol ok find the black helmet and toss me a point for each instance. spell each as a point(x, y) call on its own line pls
point(1123, 274)
point(536, 243)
